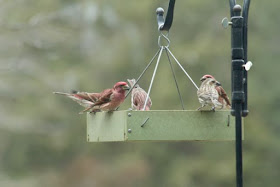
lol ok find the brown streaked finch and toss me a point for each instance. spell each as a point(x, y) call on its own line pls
point(107, 100)
point(138, 97)
point(208, 95)
point(223, 98)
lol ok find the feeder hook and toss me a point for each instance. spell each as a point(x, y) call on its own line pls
point(164, 24)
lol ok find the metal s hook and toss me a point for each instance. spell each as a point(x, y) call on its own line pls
point(165, 36)
point(165, 24)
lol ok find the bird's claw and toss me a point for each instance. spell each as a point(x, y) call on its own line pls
point(199, 109)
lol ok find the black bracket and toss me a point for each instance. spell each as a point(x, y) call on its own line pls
point(165, 24)
point(241, 35)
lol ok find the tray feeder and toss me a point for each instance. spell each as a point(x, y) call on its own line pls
point(128, 125)
point(185, 125)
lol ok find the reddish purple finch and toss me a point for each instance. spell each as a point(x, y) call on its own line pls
point(107, 100)
point(212, 93)
point(138, 97)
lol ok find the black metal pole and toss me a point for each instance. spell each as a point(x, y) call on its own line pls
point(245, 12)
point(237, 85)
point(238, 145)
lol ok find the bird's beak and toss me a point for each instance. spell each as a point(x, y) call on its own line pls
point(218, 83)
point(126, 87)
point(202, 79)
point(130, 82)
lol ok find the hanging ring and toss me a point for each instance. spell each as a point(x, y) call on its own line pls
point(165, 36)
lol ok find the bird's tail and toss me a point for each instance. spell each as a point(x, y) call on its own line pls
point(228, 106)
point(83, 102)
point(74, 91)
point(61, 93)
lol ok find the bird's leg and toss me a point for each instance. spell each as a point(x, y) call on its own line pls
point(94, 111)
point(85, 110)
point(214, 101)
point(90, 109)
point(201, 107)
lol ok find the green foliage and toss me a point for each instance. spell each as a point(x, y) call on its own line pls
point(59, 45)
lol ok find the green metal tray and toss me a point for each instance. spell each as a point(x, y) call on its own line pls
point(160, 125)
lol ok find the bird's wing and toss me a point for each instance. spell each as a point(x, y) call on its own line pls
point(105, 97)
point(83, 102)
point(140, 98)
point(93, 97)
point(223, 94)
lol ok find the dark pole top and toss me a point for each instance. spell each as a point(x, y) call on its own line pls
point(237, 8)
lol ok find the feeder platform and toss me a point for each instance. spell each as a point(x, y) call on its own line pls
point(160, 125)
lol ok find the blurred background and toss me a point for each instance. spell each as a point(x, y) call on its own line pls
point(60, 45)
